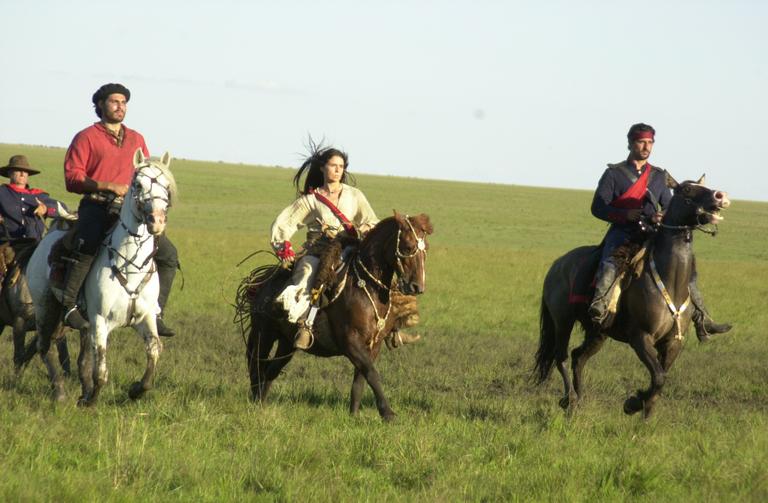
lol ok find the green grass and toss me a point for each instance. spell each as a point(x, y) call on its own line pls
point(470, 425)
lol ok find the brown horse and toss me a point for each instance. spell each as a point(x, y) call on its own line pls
point(17, 311)
point(354, 323)
point(652, 315)
point(16, 307)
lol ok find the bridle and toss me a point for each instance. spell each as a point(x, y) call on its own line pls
point(134, 264)
point(700, 212)
point(421, 247)
point(357, 265)
point(144, 205)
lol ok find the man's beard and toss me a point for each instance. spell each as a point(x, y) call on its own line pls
point(112, 119)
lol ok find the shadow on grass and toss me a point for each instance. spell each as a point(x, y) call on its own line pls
point(318, 398)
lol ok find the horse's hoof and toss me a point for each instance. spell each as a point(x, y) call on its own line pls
point(648, 408)
point(59, 396)
point(568, 403)
point(388, 417)
point(632, 405)
point(136, 391)
point(84, 402)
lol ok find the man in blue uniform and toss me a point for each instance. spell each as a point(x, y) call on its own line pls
point(630, 192)
point(23, 208)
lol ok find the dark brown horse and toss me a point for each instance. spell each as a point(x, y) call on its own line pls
point(18, 312)
point(653, 313)
point(355, 322)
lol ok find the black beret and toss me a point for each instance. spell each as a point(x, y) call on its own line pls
point(104, 91)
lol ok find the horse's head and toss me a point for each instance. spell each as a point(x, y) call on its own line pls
point(693, 204)
point(411, 252)
point(152, 191)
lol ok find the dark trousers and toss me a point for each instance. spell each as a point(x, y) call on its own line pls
point(93, 221)
point(615, 237)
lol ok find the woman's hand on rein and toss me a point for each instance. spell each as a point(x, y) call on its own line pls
point(285, 252)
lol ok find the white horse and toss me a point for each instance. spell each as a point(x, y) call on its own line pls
point(121, 288)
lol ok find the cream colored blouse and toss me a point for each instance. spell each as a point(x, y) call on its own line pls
point(308, 211)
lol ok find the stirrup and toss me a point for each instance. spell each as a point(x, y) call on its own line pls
point(299, 339)
point(707, 328)
point(395, 339)
point(80, 324)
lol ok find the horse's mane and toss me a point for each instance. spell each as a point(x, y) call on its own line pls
point(173, 192)
point(419, 222)
point(380, 231)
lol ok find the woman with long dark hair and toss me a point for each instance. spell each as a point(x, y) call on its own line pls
point(326, 205)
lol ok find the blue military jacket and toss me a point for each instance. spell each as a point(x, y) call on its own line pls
point(17, 207)
point(616, 180)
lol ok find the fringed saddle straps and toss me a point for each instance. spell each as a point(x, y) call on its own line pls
point(676, 311)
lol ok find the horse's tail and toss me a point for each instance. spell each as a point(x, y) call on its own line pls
point(548, 347)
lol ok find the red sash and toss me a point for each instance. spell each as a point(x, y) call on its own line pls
point(633, 197)
point(341, 216)
point(23, 190)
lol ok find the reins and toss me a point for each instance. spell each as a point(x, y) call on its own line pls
point(362, 283)
point(121, 272)
point(678, 311)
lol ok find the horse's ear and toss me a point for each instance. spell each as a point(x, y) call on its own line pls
point(138, 158)
point(671, 182)
point(398, 216)
point(426, 224)
point(701, 180)
point(165, 160)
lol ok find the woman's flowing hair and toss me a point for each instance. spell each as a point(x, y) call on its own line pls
point(319, 155)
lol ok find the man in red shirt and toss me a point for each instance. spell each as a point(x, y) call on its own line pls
point(99, 165)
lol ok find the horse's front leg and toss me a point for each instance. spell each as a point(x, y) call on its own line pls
point(43, 348)
point(98, 334)
point(362, 360)
point(356, 395)
point(645, 400)
point(85, 368)
point(668, 348)
point(148, 330)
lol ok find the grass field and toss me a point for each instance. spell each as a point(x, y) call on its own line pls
point(470, 424)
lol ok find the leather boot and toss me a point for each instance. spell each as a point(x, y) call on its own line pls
point(166, 275)
point(397, 338)
point(705, 326)
point(598, 309)
point(76, 273)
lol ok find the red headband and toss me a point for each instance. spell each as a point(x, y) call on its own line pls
point(642, 135)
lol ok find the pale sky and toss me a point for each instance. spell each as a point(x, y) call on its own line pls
point(529, 93)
